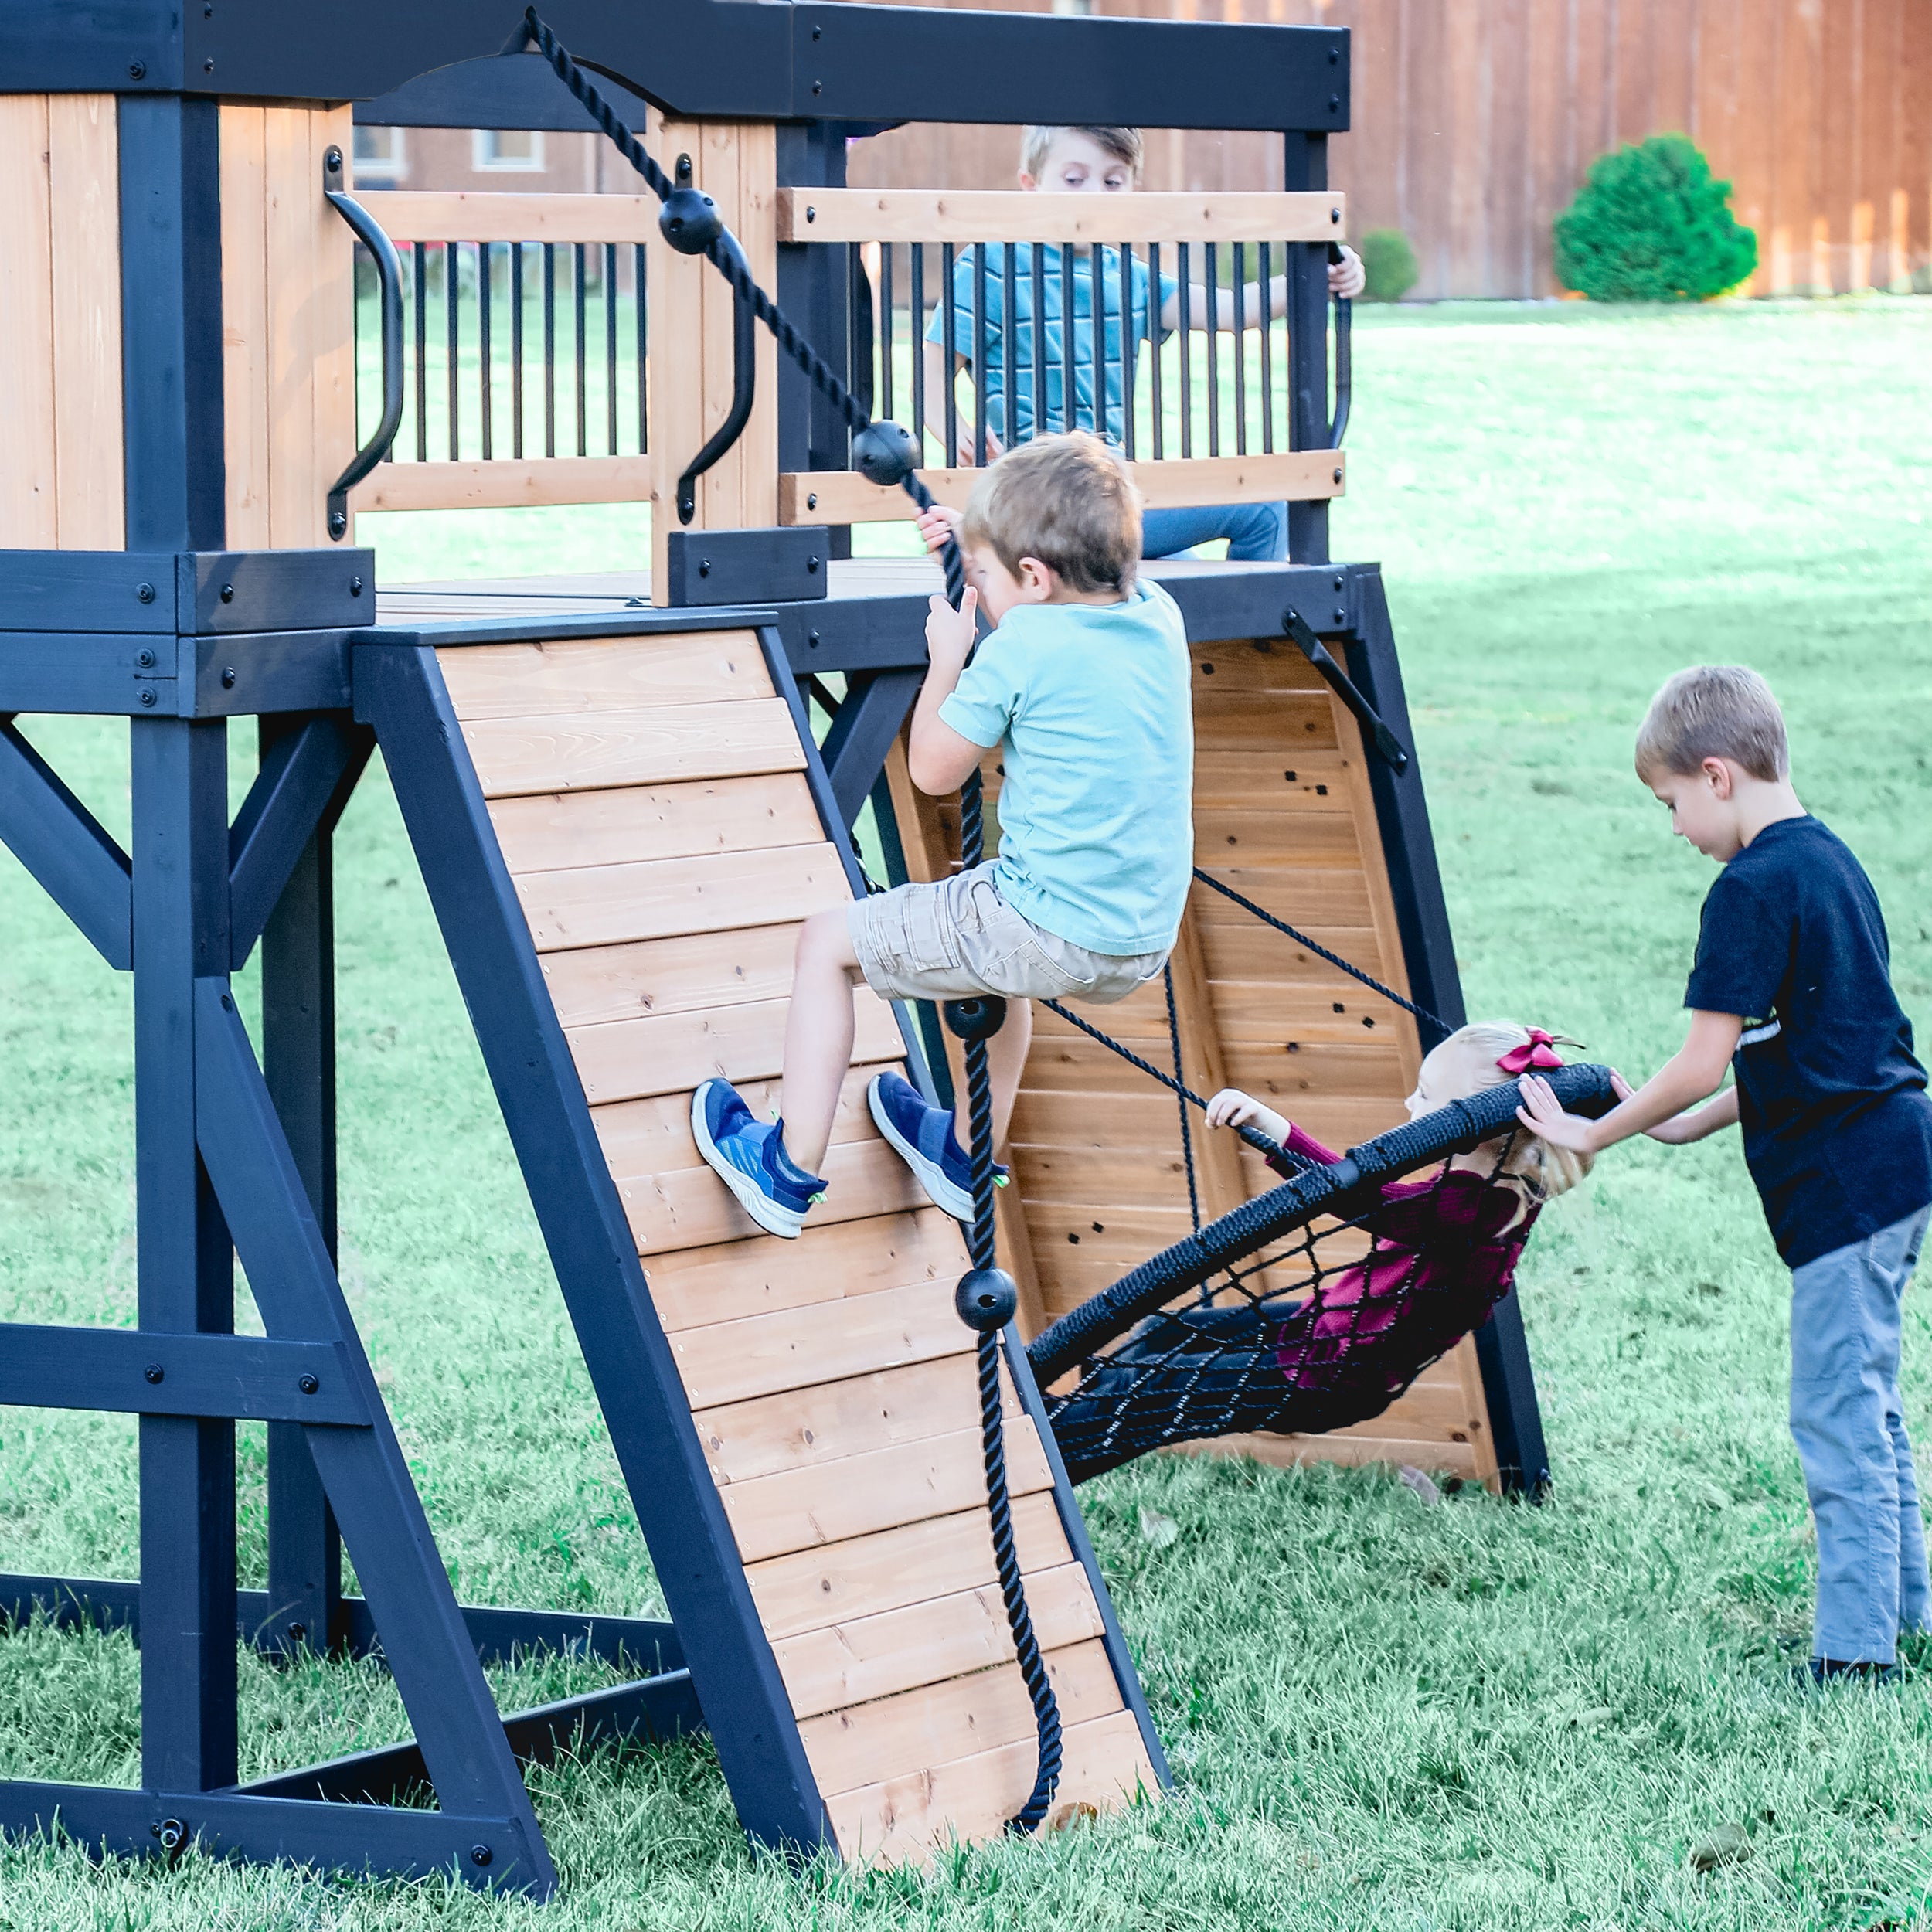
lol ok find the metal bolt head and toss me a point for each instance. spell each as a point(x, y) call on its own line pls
point(154, 1371)
point(812, 640)
point(819, 87)
point(1334, 56)
point(298, 1633)
point(816, 32)
point(704, 566)
point(1338, 475)
point(147, 699)
point(137, 70)
point(812, 214)
point(1334, 217)
point(1335, 104)
point(338, 522)
point(228, 593)
point(172, 1833)
point(228, 677)
point(332, 160)
point(227, 1002)
point(480, 1855)
point(145, 659)
point(811, 566)
point(308, 1385)
point(1341, 615)
point(208, 65)
point(356, 586)
point(1339, 580)
point(144, 593)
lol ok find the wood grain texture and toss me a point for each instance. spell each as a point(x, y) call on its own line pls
point(903, 215)
point(656, 746)
point(412, 215)
point(246, 354)
point(29, 497)
point(561, 830)
point(578, 675)
point(682, 974)
point(505, 483)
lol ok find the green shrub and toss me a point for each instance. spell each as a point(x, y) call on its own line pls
point(1650, 225)
point(1390, 263)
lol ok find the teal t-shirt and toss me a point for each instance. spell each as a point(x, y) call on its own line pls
point(1091, 705)
point(1016, 343)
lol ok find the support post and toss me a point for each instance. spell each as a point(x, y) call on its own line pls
point(1305, 170)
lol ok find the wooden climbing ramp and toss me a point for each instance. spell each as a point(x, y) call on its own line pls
point(654, 801)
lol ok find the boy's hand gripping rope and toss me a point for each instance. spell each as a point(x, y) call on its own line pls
point(885, 453)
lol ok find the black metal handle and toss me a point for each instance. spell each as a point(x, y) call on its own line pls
point(744, 380)
point(1393, 751)
point(389, 276)
point(1344, 372)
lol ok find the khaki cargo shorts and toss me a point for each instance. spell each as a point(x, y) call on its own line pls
point(957, 936)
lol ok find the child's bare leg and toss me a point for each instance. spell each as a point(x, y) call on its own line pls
point(1005, 1061)
point(818, 1035)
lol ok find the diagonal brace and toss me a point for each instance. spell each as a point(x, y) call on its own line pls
point(60, 841)
point(862, 731)
point(305, 782)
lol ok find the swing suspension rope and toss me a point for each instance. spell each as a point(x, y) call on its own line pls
point(898, 452)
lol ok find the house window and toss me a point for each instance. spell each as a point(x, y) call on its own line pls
point(509, 150)
point(380, 155)
point(1082, 7)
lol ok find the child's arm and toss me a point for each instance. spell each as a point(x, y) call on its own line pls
point(1231, 1107)
point(937, 757)
point(1215, 308)
point(1697, 1069)
point(940, 372)
point(1714, 1115)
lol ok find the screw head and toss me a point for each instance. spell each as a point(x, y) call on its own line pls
point(227, 1002)
point(1338, 473)
point(308, 1385)
point(332, 160)
point(338, 522)
point(173, 1835)
point(228, 677)
point(816, 32)
point(147, 699)
point(1334, 217)
point(356, 586)
point(1334, 56)
point(811, 566)
point(704, 566)
point(145, 659)
point(480, 1855)
point(144, 593)
point(298, 1633)
point(137, 70)
point(812, 214)
point(1341, 615)
point(812, 640)
point(819, 87)
point(811, 500)
point(1335, 104)
point(154, 1371)
point(228, 593)
point(1339, 580)
point(208, 65)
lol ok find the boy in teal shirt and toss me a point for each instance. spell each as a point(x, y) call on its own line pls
point(1094, 161)
point(1084, 684)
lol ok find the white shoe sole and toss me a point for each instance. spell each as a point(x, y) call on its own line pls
point(942, 1193)
point(773, 1216)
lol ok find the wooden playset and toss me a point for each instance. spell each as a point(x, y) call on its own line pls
point(624, 791)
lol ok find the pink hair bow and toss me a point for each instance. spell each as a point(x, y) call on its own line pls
point(1539, 1050)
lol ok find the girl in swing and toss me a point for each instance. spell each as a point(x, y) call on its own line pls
point(1443, 1252)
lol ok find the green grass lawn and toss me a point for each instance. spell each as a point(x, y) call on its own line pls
point(1381, 1715)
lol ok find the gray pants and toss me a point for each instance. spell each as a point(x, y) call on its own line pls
point(1850, 1430)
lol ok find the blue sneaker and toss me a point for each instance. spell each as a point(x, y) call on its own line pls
point(922, 1134)
point(748, 1156)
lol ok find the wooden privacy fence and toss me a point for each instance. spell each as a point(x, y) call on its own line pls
point(1473, 122)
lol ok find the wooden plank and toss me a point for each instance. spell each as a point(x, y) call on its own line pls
point(574, 676)
point(84, 212)
point(1276, 837)
point(661, 898)
point(1265, 781)
point(730, 739)
point(606, 983)
point(939, 1557)
point(911, 1818)
point(1231, 721)
point(896, 1736)
point(412, 215)
point(1252, 664)
point(1301, 476)
point(905, 215)
point(245, 351)
point(836, 1420)
point(724, 1283)
point(795, 1348)
point(688, 1207)
point(29, 494)
point(1348, 1452)
point(673, 1052)
point(296, 511)
point(803, 1508)
point(1217, 1153)
point(900, 1650)
point(678, 375)
point(559, 832)
point(505, 483)
point(1305, 897)
point(332, 325)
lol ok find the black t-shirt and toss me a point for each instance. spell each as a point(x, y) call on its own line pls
point(1838, 1127)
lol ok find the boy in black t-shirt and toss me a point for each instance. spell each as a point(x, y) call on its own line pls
point(1792, 982)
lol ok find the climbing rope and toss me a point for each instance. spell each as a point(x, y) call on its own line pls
point(986, 1297)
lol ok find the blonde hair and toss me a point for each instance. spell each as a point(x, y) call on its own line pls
point(1465, 1064)
point(1065, 500)
point(1713, 711)
point(1123, 143)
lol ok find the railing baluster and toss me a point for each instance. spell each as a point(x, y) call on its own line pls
point(452, 318)
point(577, 294)
point(1036, 252)
point(952, 336)
point(979, 354)
point(611, 342)
point(516, 349)
point(1187, 362)
point(1009, 340)
point(1240, 356)
point(916, 332)
point(1096, 270)
point(1154, 347)
point(549, 348)
point(643, 372)
point(1268, 351)
point(420, 267)
point(1130, 366)
point(1070, 327)
point(886, 331)
point(483, 278)
point(1213, 288)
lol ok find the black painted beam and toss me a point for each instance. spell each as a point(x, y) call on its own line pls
point(61, 842)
